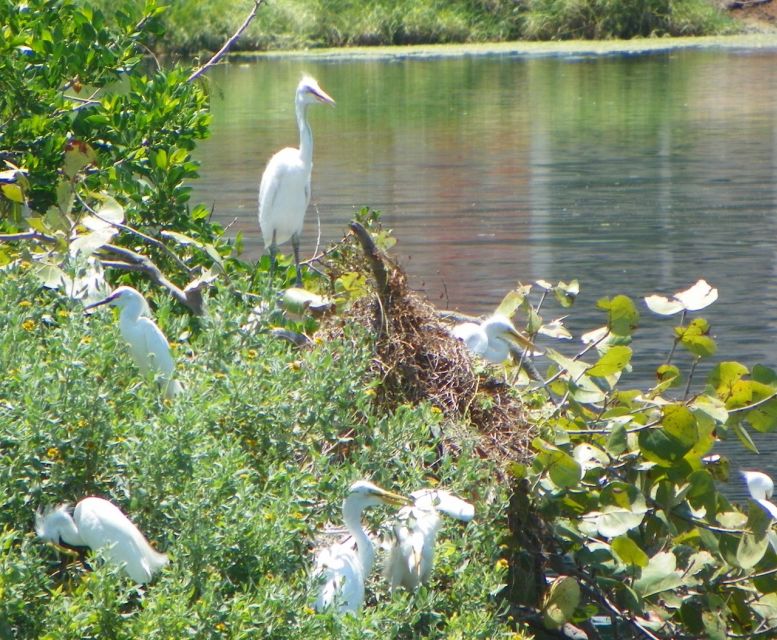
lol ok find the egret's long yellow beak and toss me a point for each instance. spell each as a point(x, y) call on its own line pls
point(393, 498)
point(323, 96)
point(518, 339)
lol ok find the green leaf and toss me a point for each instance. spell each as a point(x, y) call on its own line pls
point(629, 552)
point(752, 547)
point(613, 521)
point(744, 437)
point(13, 192)
point(566, 294)
point(724, 375)
point(661, 447)
point(614, 361)
point(694, 337)
point(562, 469)
point(659, 575)
point(617, 440)
point(512, 301)
point(679, 422)
point(78, 154)
point(623, 317)
point(560, 603)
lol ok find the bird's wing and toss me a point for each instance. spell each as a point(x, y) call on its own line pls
point(342, 578)
point(769, 507)
point(445, 502)
point(472, 335)
point(284, 194)
point(156, 346)
point(102, 525)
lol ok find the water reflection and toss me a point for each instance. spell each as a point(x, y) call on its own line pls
point(633, 174)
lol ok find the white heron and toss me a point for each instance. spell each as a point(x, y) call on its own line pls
point(761, 488)
point(100, 525)
point(147, 344)
point(284, 192)
point(410, 556)
point(343, 567)
point(492, 338)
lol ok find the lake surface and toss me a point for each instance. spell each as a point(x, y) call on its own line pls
point(633, 174)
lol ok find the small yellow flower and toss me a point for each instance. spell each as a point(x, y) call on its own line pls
point(369, 392)
point(63, 313)
point(436, 410)
point(52, 453)
point(309, 611)
point(251, 354)
point(24, 264)
point(296, 365)
point(81, 423)
point(25, 304)
point(220, 626)
point(502, 564)
point(28, 325)
point(86, 340)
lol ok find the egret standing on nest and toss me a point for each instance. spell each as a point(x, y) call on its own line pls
point(410, 556)
point(492, 338)
point(147, 344)
point(100, 525)
point(284, 192)
point(344, 567)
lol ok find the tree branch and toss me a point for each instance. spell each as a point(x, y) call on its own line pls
point(27, 235)
point(220, 53)
point(191, 297)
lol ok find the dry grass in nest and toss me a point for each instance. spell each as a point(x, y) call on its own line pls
point(418, 360)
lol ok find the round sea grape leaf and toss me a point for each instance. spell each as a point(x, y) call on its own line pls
point(660, 575)
point(561, 600)
point(679, 422)
point(629, 552)
point(615, 360)
point(661, 447)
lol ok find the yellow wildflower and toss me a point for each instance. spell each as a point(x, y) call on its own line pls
point(25, 304)
point(28, 325)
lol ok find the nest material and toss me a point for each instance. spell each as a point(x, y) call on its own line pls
point(417, 359)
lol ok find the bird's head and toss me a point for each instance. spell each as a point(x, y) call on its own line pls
point(309, 92)
point(49, 523)
point(369, 494)
point(123, 297)
point(499, 326)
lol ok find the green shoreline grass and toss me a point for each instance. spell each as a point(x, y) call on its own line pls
point(759, 41)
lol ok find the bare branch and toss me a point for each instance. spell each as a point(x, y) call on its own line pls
point(220, 53)
point(132, 261)
point(27, 235)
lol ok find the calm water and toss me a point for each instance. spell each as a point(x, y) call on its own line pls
point(634, 175)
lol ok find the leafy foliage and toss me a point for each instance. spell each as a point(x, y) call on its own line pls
point(628, 482)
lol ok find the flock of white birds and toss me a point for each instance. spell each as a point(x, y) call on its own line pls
point(342, 568)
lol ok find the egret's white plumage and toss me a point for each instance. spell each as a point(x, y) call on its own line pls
point(410, 553)
point(100, 525)
point(761, 488)
point(147, 344)
point(284, 191)
point(345, 566)
point(491, 338)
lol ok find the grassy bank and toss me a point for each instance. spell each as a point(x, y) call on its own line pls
point(193, 25)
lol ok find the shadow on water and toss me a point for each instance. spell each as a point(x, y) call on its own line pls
point(634, 175)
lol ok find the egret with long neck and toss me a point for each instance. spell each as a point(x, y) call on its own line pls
point(147, 344)
point(345, 566)
point(101, 526)
point(284, 191)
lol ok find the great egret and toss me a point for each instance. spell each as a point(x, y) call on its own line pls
point(100, 525)
point(492, 338)
point(410, 556)
point(343, 567)
point(284, 192)
point(761, 488)
point(148, 346)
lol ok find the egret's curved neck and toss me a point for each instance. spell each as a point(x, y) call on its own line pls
point(66, 530)
point(305, 134)
point(352, 515)
point(132, 310)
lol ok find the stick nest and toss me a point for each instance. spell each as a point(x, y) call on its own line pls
point(417, 360)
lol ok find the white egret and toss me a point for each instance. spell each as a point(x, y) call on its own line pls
point(761, 488)
point(343, 567)
point(100, 525)
point(284, 191)
point(491, 338)
point(147, 344)
point(410, 556)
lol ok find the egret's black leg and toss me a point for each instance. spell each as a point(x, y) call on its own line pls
point(273, 252)
point(295, 245)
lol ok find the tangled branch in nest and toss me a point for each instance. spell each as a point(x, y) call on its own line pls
point(417, 359)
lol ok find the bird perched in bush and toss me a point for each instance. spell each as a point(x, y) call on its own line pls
point(147, 344)
point(410, 551)
point(101, 526)
point(284, 191)
point(345, 566)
